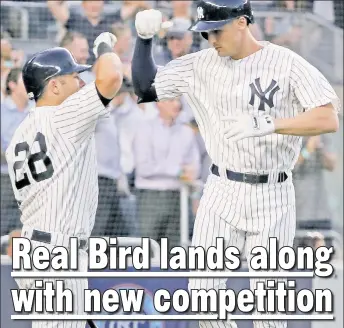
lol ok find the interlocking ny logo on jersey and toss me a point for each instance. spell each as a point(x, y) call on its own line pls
point(256, 90)
point(200, 13)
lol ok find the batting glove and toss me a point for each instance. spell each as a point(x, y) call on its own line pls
point(149, 22)
point(105, 37)
point(248, 126)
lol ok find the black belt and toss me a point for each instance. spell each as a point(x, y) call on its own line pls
point(45, 237)
point(248, 177)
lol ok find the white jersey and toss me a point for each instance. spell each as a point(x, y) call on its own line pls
point(52, 164)
point(274, 81)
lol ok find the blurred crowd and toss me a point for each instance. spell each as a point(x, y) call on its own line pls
point(147, 152)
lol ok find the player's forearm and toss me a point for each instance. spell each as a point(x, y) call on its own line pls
point(109, 74)
point(144, 70)
point(317, 121)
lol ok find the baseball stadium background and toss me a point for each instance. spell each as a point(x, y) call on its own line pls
point(314, 29)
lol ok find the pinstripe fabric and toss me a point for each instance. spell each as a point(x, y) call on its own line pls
point(219, 86)
point(77, 286)
point(246, 216)
point(274, 81)
point(67, 201)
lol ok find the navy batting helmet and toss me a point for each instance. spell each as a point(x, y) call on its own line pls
point(47, 64)
point(213, 14)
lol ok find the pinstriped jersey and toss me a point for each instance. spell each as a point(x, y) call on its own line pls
point(273, 80)
point(52, 164)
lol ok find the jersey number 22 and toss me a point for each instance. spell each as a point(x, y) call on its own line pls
point(32, 159)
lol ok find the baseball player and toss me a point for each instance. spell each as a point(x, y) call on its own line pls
point(52, 158)
point(253, 101)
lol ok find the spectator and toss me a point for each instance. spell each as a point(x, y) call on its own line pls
point(108, 221)
point(123, 47)
point(128, 118)
point(183, 10)
point(166, 155)
point(77, 44)
point(287, 30)
point(92, 21)
point(10, 58)
point(312, 206)
point(179, 43)
point(14, 109)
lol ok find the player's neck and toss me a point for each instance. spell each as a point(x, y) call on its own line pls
point(46, 103)
point(20, 102)
point(249, 46)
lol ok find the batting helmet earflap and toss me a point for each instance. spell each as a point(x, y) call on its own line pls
point(213, 14)
point(47, 64)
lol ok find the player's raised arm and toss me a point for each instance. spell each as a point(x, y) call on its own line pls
point(108, 67)
point(150, 82)
point(77, 115)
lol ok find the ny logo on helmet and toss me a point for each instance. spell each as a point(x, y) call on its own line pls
point(200, 13)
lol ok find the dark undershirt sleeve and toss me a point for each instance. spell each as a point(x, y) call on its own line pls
point(104, 100)
point(144, 70)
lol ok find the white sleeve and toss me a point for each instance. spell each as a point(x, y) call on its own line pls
point(310, 87)
point(77, 116)
point(174, 79)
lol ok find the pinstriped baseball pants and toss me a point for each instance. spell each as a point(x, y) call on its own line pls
point(246, 216)
point(77, 286)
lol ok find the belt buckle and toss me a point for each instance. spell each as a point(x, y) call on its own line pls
point(250, 178)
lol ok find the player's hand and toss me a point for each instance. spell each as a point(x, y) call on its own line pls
point(105, 37)
point(150, 22)
point(248, 126)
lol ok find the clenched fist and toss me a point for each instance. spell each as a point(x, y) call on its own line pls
point(149, 22)
point(104, 37)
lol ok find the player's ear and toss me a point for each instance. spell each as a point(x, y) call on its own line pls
point(54, 86)
point(241, 23)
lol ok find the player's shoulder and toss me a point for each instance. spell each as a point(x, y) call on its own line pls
point(286, 52)
point(189, 58)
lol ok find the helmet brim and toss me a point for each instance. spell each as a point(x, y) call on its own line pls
point(206, 26)
point(82, 68)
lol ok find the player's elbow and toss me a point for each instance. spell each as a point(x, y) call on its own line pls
point(109, 75)
point(331, 122)
point(327, 119)
point(109, 86)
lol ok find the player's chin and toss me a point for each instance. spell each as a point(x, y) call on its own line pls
point(220, 52)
